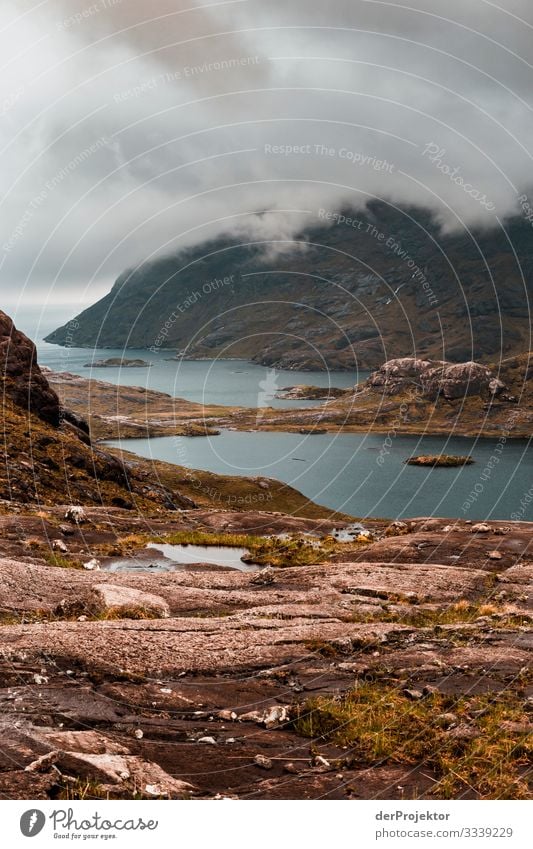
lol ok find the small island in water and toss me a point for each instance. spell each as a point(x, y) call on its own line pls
point(118, 362)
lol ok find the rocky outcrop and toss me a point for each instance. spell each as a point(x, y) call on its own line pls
point(22, 378)
point(435, 378)
point(429, 293)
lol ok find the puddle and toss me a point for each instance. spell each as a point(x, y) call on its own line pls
point(217, 555)
point(159, 557)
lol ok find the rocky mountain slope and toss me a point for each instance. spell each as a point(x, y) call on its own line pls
point(353, 289)
point(47, 457)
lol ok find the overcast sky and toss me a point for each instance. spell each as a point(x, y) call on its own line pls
point(131, 128)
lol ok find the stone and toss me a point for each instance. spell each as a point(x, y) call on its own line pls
point(59, 545)
point(90, 742)
point(319, 760)
point(446, 720)
point(480, 528)
point(513, 727)
point(265, 577)
point(291, 768)
point(121, 769)
point(22, 379)
point(76, 515)
point(464, 732)
point(251, 716)
point(414, 695)
point(210, 741)
point(396, 529)
point(227, 715)
point(43, 763)
point(120, 600)
point(92, 565)
point(263, 762)
point(494, 555)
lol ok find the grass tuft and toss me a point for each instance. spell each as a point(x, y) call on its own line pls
point(381, 725)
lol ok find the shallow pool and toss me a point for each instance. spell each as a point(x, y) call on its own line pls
point(158, 557)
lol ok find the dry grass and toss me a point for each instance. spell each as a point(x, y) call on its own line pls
point(381, 725)
point(54, 559)
point(210, 538)
point(461, 612)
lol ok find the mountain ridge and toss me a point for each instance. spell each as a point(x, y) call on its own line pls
point(355, 290)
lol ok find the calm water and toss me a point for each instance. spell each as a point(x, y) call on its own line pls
point(338, 471)
point(341, 471)
point(228, 382)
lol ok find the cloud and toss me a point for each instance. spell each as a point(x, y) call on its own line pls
point(130, 129)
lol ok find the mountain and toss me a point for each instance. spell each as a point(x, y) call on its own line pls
point(351, 289)
point(47, 454)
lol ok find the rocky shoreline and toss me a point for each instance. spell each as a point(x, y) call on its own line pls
point(409, 396)
point(387, 661)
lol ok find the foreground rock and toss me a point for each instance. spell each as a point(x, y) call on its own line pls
point(208, 701)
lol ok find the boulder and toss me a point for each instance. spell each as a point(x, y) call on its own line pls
point(435, 378)
point(128, 771)
point(121, 601)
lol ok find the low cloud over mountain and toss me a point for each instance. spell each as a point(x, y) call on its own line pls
point(131, 129)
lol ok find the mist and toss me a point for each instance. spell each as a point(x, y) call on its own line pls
point(133, 129)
